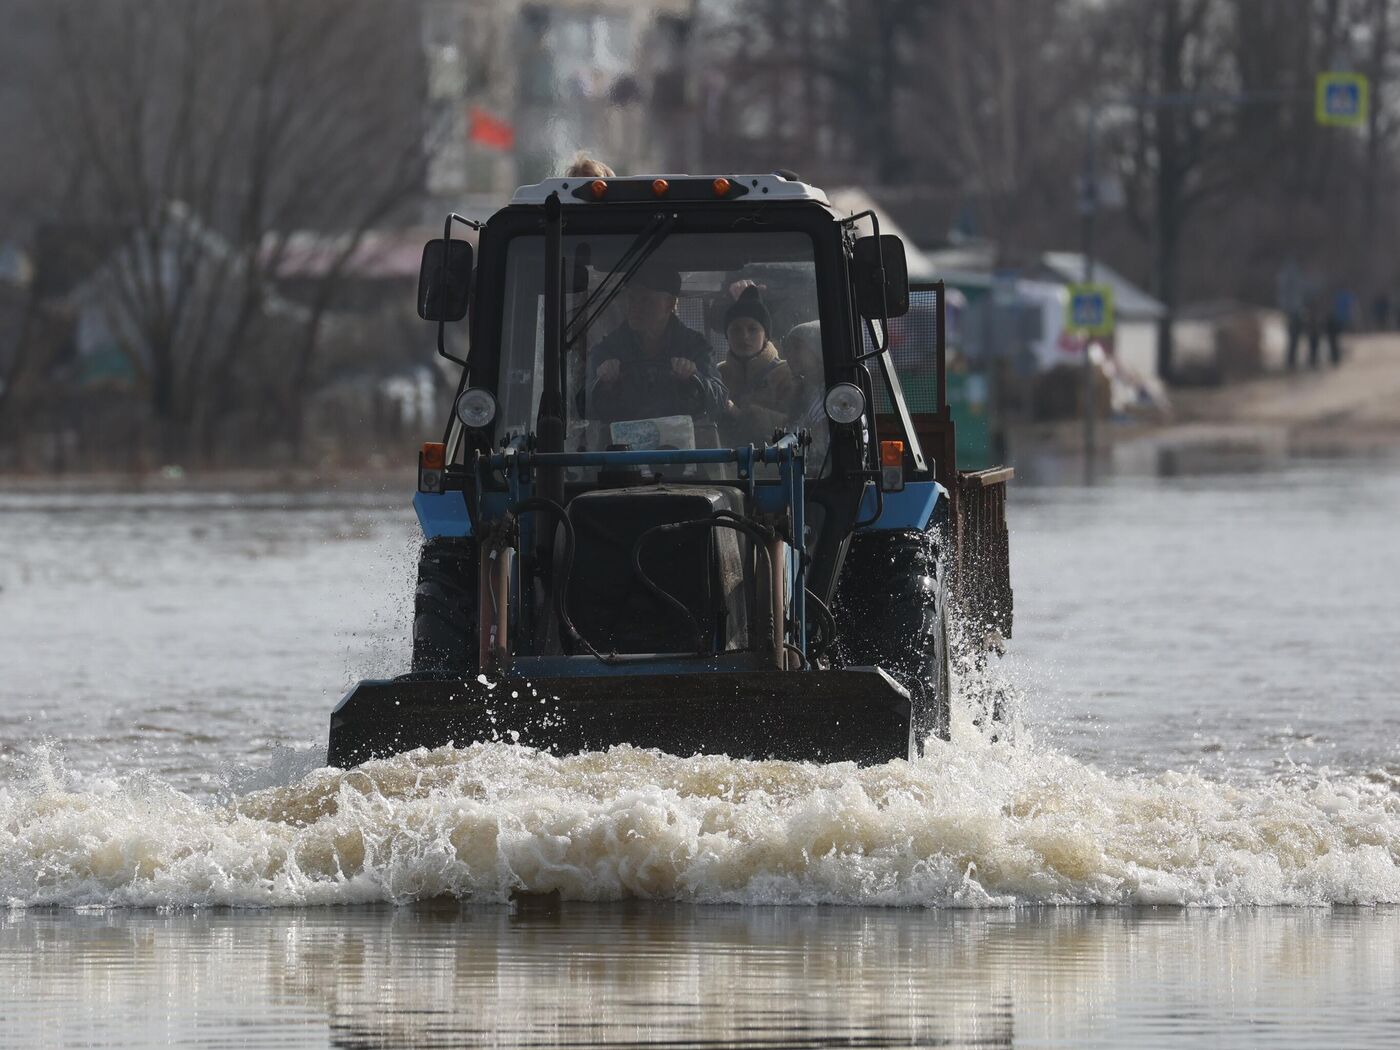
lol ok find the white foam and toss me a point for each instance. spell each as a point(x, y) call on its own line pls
point(977, 825)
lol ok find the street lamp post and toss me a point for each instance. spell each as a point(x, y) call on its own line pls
point(1088, 207)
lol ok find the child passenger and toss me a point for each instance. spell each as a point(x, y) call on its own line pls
point(762, 388)
point(802, 347)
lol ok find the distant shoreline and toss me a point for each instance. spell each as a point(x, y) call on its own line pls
point(1352, 410)
point(221, 479)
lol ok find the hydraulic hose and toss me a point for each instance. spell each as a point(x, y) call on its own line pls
point(879, 507)
point(801, 659)
point(721, 520)
point(828, 622)
point(559, 587)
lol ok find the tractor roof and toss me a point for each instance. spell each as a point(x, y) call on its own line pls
point(691, 188)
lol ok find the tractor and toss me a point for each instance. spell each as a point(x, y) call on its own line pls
point(619, 547)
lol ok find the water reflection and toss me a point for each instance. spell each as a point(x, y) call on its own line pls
point(440, 973)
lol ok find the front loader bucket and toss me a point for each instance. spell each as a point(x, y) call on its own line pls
point(853, 715)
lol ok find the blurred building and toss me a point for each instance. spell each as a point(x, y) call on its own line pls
point(517, 87)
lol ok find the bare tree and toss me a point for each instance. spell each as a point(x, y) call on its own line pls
point(211, 132)
point(1380, 127)
point(999, 83)
point(1167, 84)
point(818, 85)
point(27, 190)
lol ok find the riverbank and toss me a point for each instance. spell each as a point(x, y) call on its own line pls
point(1350, 410)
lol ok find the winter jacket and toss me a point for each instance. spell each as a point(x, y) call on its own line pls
point(646, 387)
point(764, 391)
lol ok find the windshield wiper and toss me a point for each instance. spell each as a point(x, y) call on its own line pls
point(636, 254)
point(626, 258)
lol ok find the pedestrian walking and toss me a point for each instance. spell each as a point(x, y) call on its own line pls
point(1315, 318)
point(1338, 321)
point(1292, 301)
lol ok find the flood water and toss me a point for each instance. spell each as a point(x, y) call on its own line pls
point(1193, 834)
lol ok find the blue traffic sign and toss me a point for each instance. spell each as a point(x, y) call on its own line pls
point(1091, 308)
point(1342, 99)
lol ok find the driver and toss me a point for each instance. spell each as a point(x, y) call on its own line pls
point(653, 365)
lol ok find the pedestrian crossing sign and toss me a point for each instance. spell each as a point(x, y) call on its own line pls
point(1342, 99)
point(1091, 309)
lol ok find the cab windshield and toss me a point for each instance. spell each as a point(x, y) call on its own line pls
point(712, 342)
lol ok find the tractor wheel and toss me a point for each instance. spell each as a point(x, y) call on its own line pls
point(444, 608)
point(891, 610)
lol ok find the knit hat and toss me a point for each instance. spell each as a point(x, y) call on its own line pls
point(750, 305)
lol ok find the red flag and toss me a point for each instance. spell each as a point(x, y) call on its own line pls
point(490, 132)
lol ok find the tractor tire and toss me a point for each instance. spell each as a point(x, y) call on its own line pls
point(891, 609)
point(444, 608)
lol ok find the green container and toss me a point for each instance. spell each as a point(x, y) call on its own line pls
point(969, 401)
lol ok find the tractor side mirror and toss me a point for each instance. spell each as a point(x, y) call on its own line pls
point(444, 280)
point(880, 294)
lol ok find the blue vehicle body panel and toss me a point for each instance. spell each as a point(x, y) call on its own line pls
point(911, 509)
point(442, 514)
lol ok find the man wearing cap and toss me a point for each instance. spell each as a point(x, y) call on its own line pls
point(652, 364)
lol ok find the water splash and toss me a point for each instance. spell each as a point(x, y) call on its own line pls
point(975, 825)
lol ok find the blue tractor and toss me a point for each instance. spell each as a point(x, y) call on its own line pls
point(638, 529)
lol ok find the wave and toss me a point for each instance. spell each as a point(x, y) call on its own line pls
point(980, 825)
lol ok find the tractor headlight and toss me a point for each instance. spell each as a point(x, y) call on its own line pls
point(476, 408)
point(845, 403)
